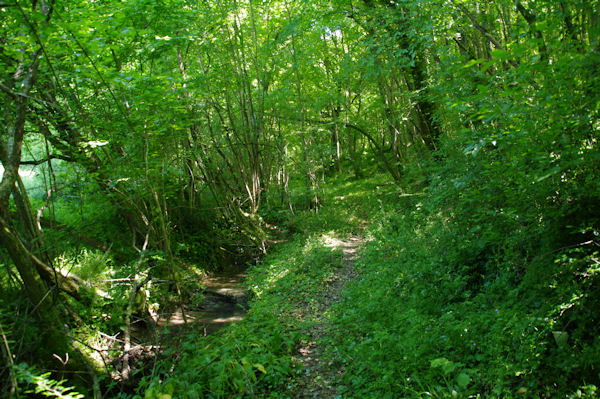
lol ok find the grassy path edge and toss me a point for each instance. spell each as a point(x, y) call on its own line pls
point(318, 379)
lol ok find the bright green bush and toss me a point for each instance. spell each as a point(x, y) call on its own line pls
point(419, 320)
point(34, 382)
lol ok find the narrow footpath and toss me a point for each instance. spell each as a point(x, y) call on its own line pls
point(318, 378)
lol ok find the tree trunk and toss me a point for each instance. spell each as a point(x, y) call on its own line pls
point(531, 19)
point(36, 290)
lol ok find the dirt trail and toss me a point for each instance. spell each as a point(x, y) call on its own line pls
point(318, 378)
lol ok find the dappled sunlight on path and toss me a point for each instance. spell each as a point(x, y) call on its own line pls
point(318, 378)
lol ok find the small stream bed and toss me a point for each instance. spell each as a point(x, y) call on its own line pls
point(224, 302)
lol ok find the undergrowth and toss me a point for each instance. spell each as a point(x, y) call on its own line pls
point(448, 302)
point(255, 357)
point(441, 310)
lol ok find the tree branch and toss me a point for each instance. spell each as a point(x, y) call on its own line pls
point(482, 29)
point(16, 95)
point(332, 122)
point(35, 162)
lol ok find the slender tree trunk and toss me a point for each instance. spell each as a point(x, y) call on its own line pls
point(36, 289)
point(531, 19)
point(307, 175)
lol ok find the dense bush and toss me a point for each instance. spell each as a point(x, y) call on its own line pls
point(440, 309)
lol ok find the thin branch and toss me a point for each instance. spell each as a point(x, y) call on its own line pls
point(15, 95)
point(332, 122)
point(41, 161)
point(14, 388)
point(127, 344)
point(100, 75)
point(482, 29)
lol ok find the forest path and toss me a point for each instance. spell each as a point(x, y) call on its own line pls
point(318, 377)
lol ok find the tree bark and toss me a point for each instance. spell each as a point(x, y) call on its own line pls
point(36, 289)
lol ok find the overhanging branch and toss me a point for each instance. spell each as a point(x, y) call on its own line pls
point(36, 162)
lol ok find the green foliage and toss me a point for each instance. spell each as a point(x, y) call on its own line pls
point(253, 357)
point(34, 382)
point(346, 206)
point(88, 265)
point(444, 305)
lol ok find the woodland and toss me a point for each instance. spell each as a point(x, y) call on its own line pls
point(409, 188)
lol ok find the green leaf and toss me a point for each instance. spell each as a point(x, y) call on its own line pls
point(500, 54)
point(553, 171)
point(473, 62)
point(446, 365)
point(463, 380)
point(260, 368)
point(487, 66)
